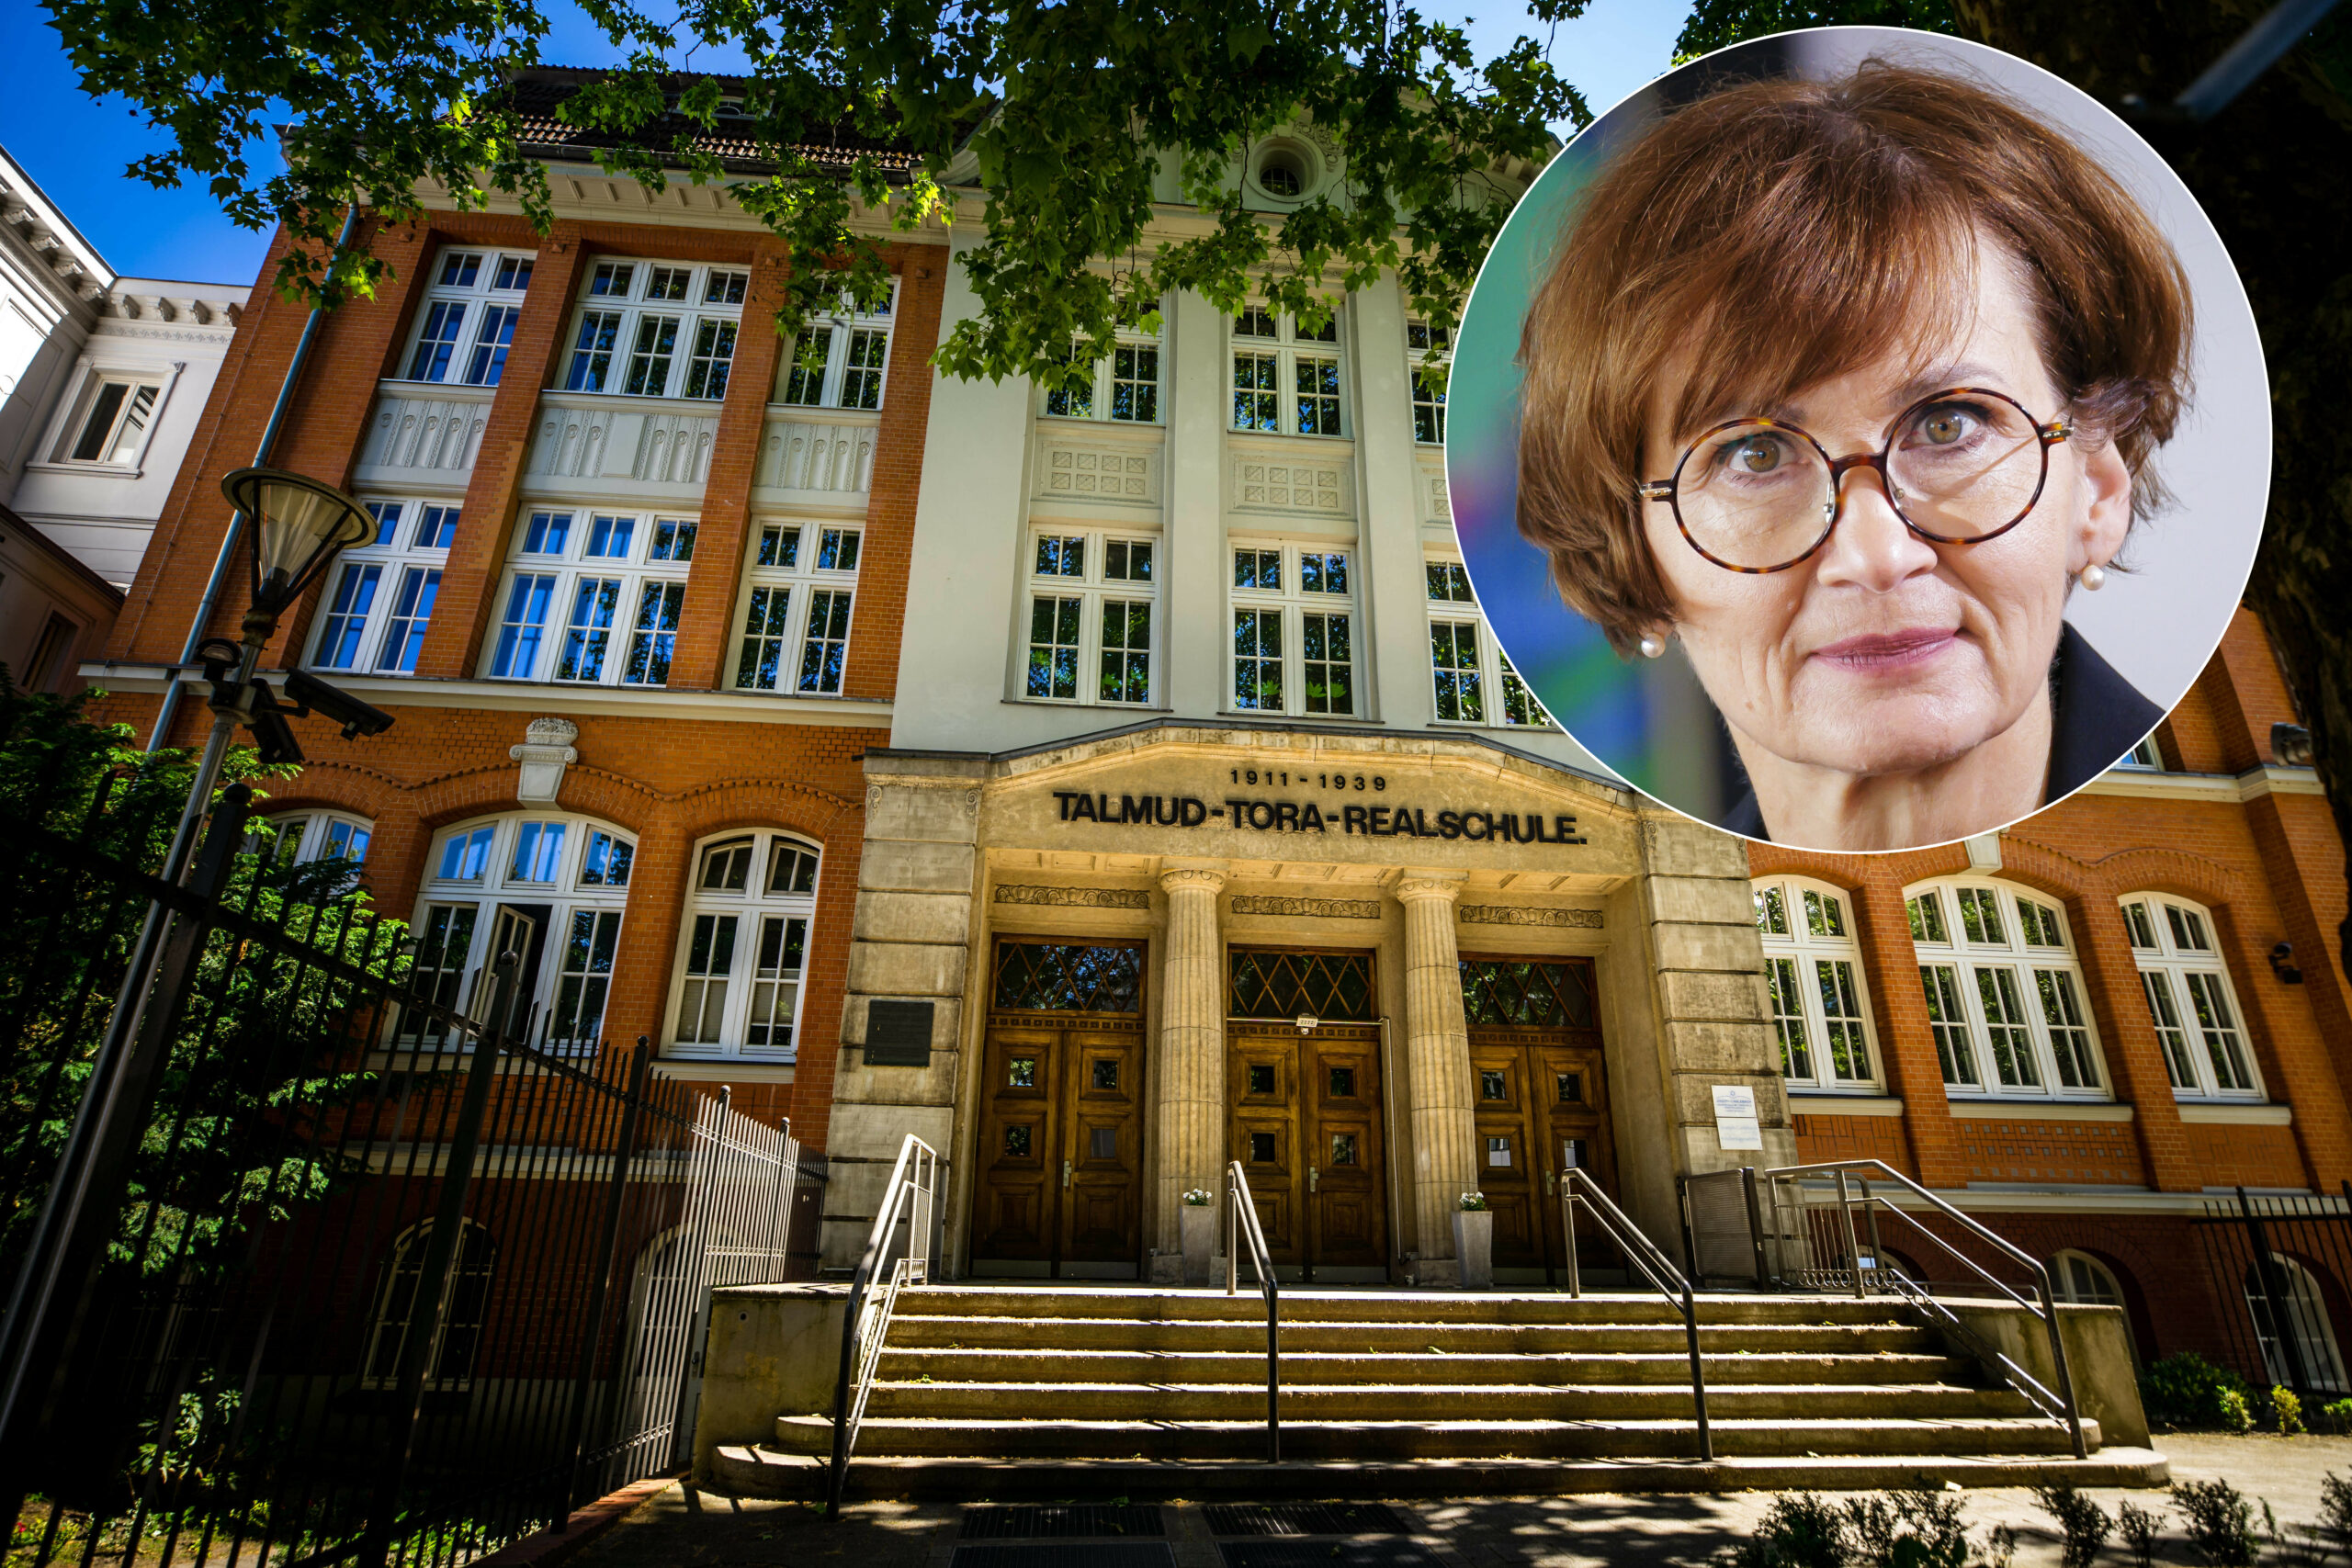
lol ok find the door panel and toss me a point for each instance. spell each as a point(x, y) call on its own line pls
point(1020, 1151)
point(1305, 1125)
point(1541, 1104)
point(1060, 1165)
point(1102, 1178)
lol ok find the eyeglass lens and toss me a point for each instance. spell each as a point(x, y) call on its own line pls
point(1759, 495)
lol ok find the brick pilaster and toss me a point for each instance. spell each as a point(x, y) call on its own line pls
point(2111, 979)
point(1907, 1041)
point(880, 613)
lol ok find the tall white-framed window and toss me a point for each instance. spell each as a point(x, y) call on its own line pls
point(650, 329)
point(379, 601)
point(1471, 676)
point(1093, 613)
point(465, 1307)
point(797, 595)
point(1293, 629)
point(742, 947)
point(2310, 1334)
point(2005, 999)
point(1125, 389)
point(113, 416)
point(466, 321)
point(1287, 380)
point(546, 886)
point(2187, 984)
point(591, 598)
point(298, 838)
point(1813, 971)
point(840, 360)
point(1426, 348)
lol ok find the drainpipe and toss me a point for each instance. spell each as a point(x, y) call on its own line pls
point(204, 606)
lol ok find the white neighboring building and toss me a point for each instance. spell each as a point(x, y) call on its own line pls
point(102, 380)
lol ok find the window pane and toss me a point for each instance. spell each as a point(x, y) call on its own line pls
point(1453, 662)
point(1771, 912)
point(346, 617)
point(1520, 704)
point(713, 355)
point(862, 373)
point(2219, 1025)
point(655, 637)
point(590, 630)
point(1135, 384)
point(2005, 1028)
point(2070, 1038)
point(1841, 1016)
point(1316, 382)
point(405, 629)
point(488, 362)
point(649, 361)
point(1257, 404)
point(837, 549)
point(133, 427)
point(436, 340)
point(591, 351)
point(1449, 581)
point(1126, 652)
point(520, 628)
point(605, 862)
point(1328, 673)
point(1926, 913)
point(2165, 1012)
point(1949, 1024)
point(763, 635)
point(1053, 645)
point(539, 852)
point(1788, 1017)
point(805, 384)
point(1258, 660)
point(824, 650)
point(92, 445)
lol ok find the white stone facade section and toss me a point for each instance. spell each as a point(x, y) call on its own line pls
point(818, 454)
point(602, 447)
point(424, 438)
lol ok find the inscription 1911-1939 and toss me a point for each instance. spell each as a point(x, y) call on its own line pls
point(1306, 817)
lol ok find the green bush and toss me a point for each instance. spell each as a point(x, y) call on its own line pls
point(1803, 1531)
point(2187, 1390)
point(2286, 1412)
point(2220, 1522)
point(2082, 1524)
point(2337, 1417)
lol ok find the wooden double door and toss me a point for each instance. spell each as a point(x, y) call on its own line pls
point(1061, 1185)
point(1304, 1121)
point(1540, 1101)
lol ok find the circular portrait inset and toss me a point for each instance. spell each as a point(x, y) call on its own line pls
point(1858, 439)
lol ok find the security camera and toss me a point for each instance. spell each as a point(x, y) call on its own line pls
point(273, 736)
point(315, 695)
point(2279, 966)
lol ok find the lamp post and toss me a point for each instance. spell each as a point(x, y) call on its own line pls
point(298, 526)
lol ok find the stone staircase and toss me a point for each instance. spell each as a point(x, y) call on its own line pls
point(986, 1390)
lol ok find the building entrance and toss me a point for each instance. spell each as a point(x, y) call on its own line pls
point(1059, 1187)
point(1540, 1101)
point(1304, 1110)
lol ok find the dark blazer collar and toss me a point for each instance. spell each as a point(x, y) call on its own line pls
point(2096, 717)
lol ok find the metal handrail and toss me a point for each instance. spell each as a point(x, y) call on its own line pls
point(1246, 1227)
point(913, 1188)
point(1578, 1186)
point(2059, 1405)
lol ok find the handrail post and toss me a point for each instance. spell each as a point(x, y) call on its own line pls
point(1853, 1246)
point(1698, 1376)
point(1569, 1230)
point(1870, 1214)
point(2058, 1360)
point(1754, 1222)
point(1233, 1238)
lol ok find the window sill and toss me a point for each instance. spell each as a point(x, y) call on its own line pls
point(723, 1069)
point(2235, 1113)
point(1074, 705)
point(1281, 436)
point(1261, 715)
point(624, 400)
point(1483, 727)
point(1843, 1102)
point(1990, 1110)
point(92, 471)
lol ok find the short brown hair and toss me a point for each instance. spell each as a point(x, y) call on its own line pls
point(1827, 211)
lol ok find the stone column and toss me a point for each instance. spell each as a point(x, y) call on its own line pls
point(1437, 1056)
point(1190, 1126)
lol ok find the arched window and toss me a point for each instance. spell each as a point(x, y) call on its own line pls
point(465, 1305)
point(2189, 999)
point(2004, 998)
point(298, 837)
point(2311, 1337)
point(742, 947)
point(548, 888)
point(2079, 1278)
point(1813, 968)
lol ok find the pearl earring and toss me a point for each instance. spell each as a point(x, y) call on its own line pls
point(1652, 648)
point(2094, 578)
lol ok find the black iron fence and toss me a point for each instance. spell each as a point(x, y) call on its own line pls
point(2280, 1266)
point(363, 1278)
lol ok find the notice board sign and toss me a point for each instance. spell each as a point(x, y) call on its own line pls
point(898, 1034)
point(1735, 1124)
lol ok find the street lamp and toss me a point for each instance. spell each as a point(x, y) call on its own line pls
point(299, 524)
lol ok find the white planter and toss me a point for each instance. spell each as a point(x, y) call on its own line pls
point(1474, 1246)
point(1196, 1229)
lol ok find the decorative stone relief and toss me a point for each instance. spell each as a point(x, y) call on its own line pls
point(545, 752)
point(1278, 485)
point(1315, 908)
point(675, 448)
point(1519, 915)
point(441, 434)
point(571, 443)
point(1072, 473)
point(797, 454)
point(1073, 897)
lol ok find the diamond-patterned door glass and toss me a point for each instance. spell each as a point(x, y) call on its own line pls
point(1016, 1141)
point(1261, 1148)
point(1271, 983)
point(1106, 1071)
point(1491, 1085)
point(1047, 977)
point(1103, 1143)
point(1538, 993)
point(1022, 1073)
point(1261, 1078)
point(1343, 1149)
point(1344, 1083)
point(1571, 1087)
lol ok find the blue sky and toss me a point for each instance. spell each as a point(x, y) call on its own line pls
point(77, 149)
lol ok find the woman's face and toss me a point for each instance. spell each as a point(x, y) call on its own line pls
point(1884, 652)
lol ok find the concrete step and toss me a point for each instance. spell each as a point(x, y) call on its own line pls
point(1368, 1441)
point(945, 1331)
point(1030, 1302)
point(771, 1472)
point(1427, 1402)
point(913, 1365)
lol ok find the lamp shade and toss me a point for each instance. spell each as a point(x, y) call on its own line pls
point(299, 524)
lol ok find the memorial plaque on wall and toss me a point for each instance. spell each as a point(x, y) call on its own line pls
point(898, 1034)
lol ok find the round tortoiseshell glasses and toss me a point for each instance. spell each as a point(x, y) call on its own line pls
point(1961, 467)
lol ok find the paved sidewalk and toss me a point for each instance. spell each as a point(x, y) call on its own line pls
point(682, 1526)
